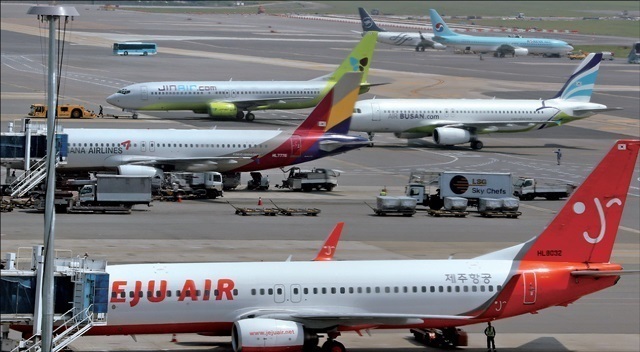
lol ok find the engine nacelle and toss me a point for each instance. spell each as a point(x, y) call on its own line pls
point(157, 175)
point(451, 136)
point(219, 109)
point(521, 51)
point(259, 335)
point(410, 135)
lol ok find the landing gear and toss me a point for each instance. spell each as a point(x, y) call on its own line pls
point(240, 115)
point(371, 135)
point(250, 116)
point(333, 346)
point(419, 48)
point(477, 145)
point(134, 116)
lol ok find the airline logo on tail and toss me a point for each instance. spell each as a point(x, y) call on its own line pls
point(439, 27)
point(580, 85)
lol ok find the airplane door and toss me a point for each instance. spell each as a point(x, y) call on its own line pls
point(152, 146)
point(233, 93)
point(446, 112)
point(278, 293)
point(530, 287)
point(144, 93)
point(296, 145)
point(375, 112)
point(143, 146)
point(296, 294)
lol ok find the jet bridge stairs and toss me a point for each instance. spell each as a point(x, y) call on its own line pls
point(81, 286)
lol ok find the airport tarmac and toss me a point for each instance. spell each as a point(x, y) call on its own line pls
point(222, 47)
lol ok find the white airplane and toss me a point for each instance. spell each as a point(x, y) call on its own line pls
point(233, 98)
point(418, 40)
point(147, 151)
point(284, 306)
point(515, 46)
point(459, 121)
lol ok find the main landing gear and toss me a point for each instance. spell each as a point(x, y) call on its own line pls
point(333, 346)
point(477, 145)
point(249, 116)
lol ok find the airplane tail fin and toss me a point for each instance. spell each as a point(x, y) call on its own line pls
point(440, 28)
point(359, 60)
point(580, 85)
point(368, 24)
point(333, 113)
point(585, 229)
point(330, 244)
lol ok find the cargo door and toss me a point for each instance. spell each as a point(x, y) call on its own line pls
point(296, 145)
point(530, 287)
point(296, 293)
point(278, 293)
point(375, 112)
point(144, 92)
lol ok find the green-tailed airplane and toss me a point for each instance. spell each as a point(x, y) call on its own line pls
point(233, 98)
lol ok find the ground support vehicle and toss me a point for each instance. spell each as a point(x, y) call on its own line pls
point(6, 205)
point(387, 205)
point(254, 211)
point(450, 213)
point(230, 180)
point(105, 193)
point(258, 182)
point(195, 184)
point(528, 188)
point(442, 338)
point(65, 111)
point(296, 211)
point(505, 207)
point(308, 180)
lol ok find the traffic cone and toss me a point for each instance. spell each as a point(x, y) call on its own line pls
point(173, 338)
point(259, 200)
point(179, 198)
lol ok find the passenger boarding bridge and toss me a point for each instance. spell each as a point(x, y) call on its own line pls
point(81, 287)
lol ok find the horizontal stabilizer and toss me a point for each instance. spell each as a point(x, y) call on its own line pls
point(595, 110)
point(601, 273)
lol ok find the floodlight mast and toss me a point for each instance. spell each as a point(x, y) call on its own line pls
point(50, 14)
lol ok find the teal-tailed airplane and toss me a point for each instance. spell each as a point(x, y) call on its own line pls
point(501, 46)
point(413, 39)
point(459, 121)
point(233, 98)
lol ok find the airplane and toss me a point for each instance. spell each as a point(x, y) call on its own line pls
point(284, 306)
point(501, 46)
point(233, 98)
point(151, 151)
point(418, 40)
point(459, 121)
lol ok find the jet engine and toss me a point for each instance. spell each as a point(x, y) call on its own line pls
point(451, 136)
point(411, 135)
point(259, 335)
point(521, 51)
point(157, 175)
point(219, 109)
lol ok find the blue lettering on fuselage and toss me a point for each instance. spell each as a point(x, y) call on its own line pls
point(414, 116)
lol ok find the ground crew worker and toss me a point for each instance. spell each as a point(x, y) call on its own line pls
point(100, 111)
point(383, 191)
point(558, 155)
point(490, 332)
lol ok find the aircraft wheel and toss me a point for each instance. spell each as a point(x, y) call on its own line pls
point(477, 145)
point(422, 48)
point(240, 115)
point(333, 346)
point(250, 116)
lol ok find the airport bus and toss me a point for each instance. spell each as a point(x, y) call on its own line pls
point(135, 48)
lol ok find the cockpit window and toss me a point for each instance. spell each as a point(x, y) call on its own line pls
point(357, 110)
point(124, 91)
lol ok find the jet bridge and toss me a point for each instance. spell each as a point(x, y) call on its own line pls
point(81, 296)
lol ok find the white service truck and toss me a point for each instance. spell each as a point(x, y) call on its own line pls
point(201, 184)
point(528, 188)
point(308, 180)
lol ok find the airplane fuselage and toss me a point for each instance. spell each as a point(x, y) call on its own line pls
point(424, 115)
point(408, 39)
point(490, 44)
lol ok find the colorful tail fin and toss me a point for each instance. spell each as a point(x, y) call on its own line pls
point(368, 24)
point(440, 28)
point(330, 244)
point(358, 60)
point(585, 228)
point(580, 85)
point(333, 113)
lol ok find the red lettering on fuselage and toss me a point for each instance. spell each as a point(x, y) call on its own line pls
point(225, 286)
point(190, 289)
point(162, 291)
point(117, 291)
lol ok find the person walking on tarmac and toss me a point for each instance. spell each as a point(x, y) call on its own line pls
point(558, 155)
point(490, 332)
point(100, 111)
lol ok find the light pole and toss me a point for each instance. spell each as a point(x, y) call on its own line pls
point(50, 14)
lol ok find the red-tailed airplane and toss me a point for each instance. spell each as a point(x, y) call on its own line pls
point(284, 306)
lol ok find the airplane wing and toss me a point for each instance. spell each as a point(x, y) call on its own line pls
point(257, 103)
point(483, 126)
point(155, 161)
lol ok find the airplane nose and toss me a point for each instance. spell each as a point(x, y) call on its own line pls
point(112, 99)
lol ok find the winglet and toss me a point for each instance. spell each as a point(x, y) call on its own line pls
point(579, 86)
point(440, 28)
point(330, 244)
point(368, 24)
point(585, 229)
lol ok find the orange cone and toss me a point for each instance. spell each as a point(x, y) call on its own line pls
point(179, 198)
point(173, 338)
point(259, 200)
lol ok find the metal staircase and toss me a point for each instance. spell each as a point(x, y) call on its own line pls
point(63, 335)
point(31, 178)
